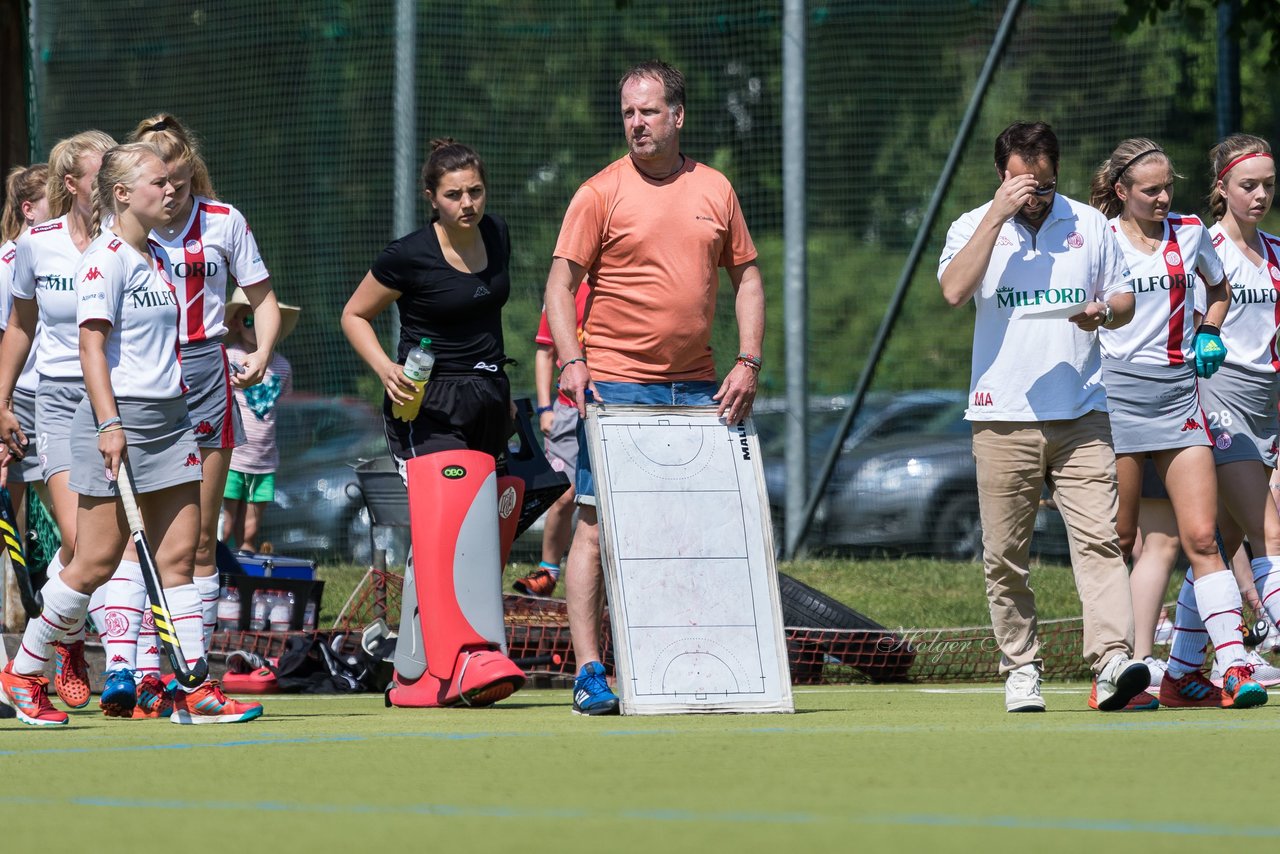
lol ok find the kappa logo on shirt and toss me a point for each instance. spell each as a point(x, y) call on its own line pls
point(481, 291)
point(93, 274)
point(192, 460)
point(204, 428)
point(1191, 424)
point(1003, 241)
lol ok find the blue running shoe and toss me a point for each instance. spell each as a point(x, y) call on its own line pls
point(591, 693)
point(119, 694)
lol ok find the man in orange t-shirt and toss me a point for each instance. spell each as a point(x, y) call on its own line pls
point(649, 232)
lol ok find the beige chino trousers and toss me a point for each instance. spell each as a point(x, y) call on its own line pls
point(1075, 457)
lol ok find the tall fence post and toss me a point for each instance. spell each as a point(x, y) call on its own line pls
point(795, 239)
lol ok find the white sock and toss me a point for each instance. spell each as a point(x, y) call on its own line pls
point(188, 621)
point(63, 609)
point(209, 587)
point(1218, 596)
point(1266, 577)
point(1189, 635)
point(148, 659)
point(76, 632)
point(125, 600)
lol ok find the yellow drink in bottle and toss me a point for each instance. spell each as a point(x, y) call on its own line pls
point(417, 369)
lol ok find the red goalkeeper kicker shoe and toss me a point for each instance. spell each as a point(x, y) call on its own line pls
point(208, 705)
point(29, 698)
point(71, 674)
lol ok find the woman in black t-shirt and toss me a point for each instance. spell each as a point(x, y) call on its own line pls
point(449, 281)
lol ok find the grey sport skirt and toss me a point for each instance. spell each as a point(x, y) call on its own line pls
point(1153, 407)
point(1241, 405)
point(56, 403)
point(160, 449)
point(28, 469)
point(215, 417)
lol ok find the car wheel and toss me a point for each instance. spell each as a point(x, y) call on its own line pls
point(958, 532)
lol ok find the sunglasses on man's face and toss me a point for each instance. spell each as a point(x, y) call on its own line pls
point(1047, 189)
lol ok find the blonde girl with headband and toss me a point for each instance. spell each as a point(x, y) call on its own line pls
point(26, 205)
point(210, 250)
point(44, 298)
point(1150, 368)
point(134, 415)
point(1240, 399)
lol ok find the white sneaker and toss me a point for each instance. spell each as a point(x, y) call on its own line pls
point(1022, 690)
point(1264, 672)
point(1120, 681)
point(1158, 669)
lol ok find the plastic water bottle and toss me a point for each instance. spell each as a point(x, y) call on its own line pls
point(261, 611)
point(281, 611)
point(229, 610)
point(417, 368)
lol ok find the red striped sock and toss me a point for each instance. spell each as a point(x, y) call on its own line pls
point(1219, 599)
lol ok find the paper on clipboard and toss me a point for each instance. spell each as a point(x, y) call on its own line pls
point(1048, 312)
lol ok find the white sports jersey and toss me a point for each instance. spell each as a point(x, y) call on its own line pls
point(45, 270)
point(116, 284)
point(1249, 331)
point(1164, 285)
point(1039, 369)
point(28, 379)
point(215, 242)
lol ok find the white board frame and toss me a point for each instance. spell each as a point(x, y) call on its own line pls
point(752, 636)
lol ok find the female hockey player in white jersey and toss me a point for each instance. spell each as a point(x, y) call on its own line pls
point(134, 416)
point(44, 297)
point(1240, 400)
point(210, 249)
point(1150, 368)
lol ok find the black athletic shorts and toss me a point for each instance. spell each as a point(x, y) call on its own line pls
point(458, 411)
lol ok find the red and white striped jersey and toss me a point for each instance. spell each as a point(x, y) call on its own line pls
point(1164, 286)
point(28, 379)
point(214, 245)
point(1249, 332)
point(45, 270)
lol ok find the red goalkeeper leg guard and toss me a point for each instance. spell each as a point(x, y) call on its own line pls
point(452, 642)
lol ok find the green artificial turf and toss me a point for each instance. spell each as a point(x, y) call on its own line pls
point(864, 768)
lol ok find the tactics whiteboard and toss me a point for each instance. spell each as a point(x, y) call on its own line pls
point(687, 548)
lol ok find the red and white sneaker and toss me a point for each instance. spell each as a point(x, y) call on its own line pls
point(208, 705)
point(154, 700)
point(71, 674)
point(540, 582)
point(29, 698)
point(1143, 701)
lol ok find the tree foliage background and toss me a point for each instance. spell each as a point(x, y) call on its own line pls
point(293, 102)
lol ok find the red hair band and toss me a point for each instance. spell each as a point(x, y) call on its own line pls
point(1241, 159)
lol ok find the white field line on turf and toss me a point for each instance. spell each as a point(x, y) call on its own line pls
point(268, 699)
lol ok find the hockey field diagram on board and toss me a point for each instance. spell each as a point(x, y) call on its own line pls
point(688, 558)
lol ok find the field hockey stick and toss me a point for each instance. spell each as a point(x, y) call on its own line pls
point(189, 677)
point(31, 601)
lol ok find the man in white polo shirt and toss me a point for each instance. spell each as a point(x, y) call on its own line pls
point(1045, 273)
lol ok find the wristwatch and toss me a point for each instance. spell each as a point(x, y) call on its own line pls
point(1110, 315)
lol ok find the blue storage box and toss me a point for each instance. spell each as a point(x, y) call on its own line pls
point(277, 566)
